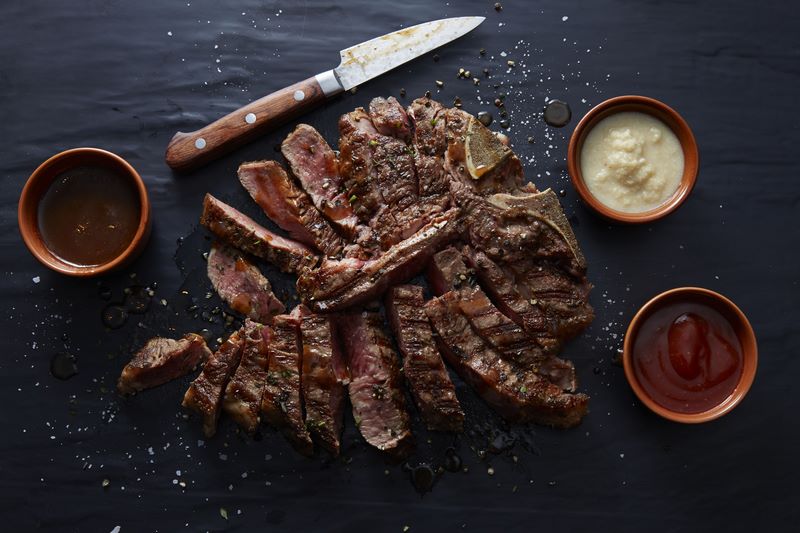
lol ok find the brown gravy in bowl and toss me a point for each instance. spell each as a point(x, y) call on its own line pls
point(89, 215)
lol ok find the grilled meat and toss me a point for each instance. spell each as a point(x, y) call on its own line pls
point(516, 394)
point(204, 395)
point(242, 400)
point(375, 389)
point(281, 402)
point(425, 374)
point(289, 206)
point(314, 164)
point(162, 360)
point(241, 284)
point(244, 233)
point(337, 285)
point(324, 376)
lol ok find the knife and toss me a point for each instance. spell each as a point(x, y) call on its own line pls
point(360, 63)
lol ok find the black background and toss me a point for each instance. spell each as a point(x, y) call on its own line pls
point(125, 76)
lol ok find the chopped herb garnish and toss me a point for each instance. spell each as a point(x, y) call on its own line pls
point(433, 122)
point(353, 198)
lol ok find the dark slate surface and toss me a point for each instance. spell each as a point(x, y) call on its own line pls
point(126, 75)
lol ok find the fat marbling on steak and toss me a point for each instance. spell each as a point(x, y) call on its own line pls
point(425, 374)
point(161, 360)
point(375, 385)
point(324, 377)
point(241, 284)
point(244, 233)
point(314, 164)
point(518, 395)
point(288, 206)
point(242, 400)
point(281, 403)
point(204, 395)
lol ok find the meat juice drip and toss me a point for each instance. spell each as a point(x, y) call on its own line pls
point(687, 357)
point(89, 215)
point(63, 366)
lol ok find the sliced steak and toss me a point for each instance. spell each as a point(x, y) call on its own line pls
point(324, 377)
point(430, 143)
point(337, 285)
point(162, 360)
point(314, 164)
point(241, 284)
point(204, 395)
point(517, 395)
point(244, 233)
point(504, 294)
point(528, 236)
point(289, 206)
point(375, 389)
point(281, 403)
point(425, 374)
point(448, 271)
point(389, 118)
point(379, 174)
point(242, 400)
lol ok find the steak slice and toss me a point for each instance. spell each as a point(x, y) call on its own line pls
point(517, 395)
point(242, 400)
point(375, 389)
point(337, 285)
point(426, 376)
point(528, 236)
point(204, 395)
point(241, 284)
point(430, 143)
point(314, 164)
point(281, 403)
point(505, 296)
point(389, 118)
point(162, 360)
point(288, 206)
point(324, 375)
point(448, 271)
point(244, 233)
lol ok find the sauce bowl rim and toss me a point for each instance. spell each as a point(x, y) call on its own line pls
point(679, 127)
point(31, 196)
point(745, 333)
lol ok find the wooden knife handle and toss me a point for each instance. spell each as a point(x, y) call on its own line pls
point(187, 151)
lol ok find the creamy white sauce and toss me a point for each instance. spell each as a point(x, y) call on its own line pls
point(631, 162)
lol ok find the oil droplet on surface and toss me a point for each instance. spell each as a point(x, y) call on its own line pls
point(557, 113)
point(423, 477)
point(114, 316)
point(63, 366)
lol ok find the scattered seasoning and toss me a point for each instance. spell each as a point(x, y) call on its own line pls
point(439, 83)
point(63, 366)
point(402, 92)
point(406, 528)
point(482, 51)
point(498, 7)
point(427, 94)
point(530, 140)
point(557, 113)
point(511, 63)
point(498, 102)
point(490, 471)
point(457, 102)
point(486, 72)
point(223, 513)
point(106, 483)
point(476, 81)
point(114, 316)
point(505, 124)
point(485, 118)
point(562, 193)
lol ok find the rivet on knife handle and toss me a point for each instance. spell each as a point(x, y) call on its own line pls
point(190, 150)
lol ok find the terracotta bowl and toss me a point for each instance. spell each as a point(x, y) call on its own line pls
point(658, 110)
point(40, 181)
point(740, 325)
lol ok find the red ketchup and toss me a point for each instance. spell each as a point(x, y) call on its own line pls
point(687, 357)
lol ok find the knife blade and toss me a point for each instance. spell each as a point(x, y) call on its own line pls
point(359, 63)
